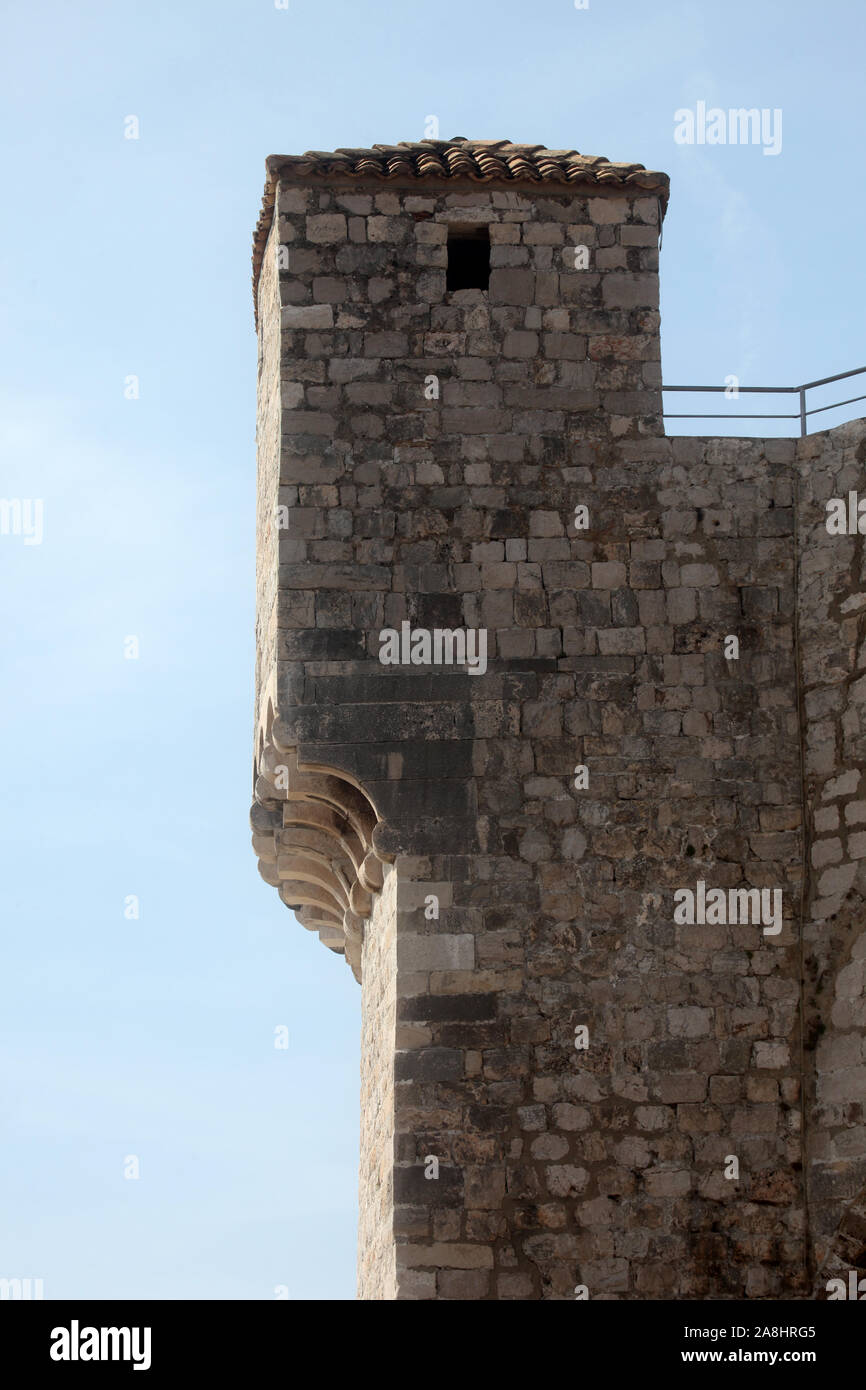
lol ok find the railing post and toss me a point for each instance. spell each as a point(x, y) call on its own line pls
point(802, 411)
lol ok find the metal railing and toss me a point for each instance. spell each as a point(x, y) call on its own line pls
point(802, 415)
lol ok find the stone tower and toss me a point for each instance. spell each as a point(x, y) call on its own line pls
point(532, 679)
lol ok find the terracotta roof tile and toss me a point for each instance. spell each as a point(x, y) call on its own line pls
point(458, 159)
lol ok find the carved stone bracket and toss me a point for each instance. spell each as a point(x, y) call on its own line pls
point(313, 835)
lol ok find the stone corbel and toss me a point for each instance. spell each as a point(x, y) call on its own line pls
point(313, 835)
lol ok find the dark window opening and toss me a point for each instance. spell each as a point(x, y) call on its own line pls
point(468, 258)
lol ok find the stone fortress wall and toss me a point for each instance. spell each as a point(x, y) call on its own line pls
point(499, 852)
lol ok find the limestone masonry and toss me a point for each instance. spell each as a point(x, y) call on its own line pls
point(572, 1084)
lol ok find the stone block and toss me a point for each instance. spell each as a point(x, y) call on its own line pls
point(326, 227)
point(509, 286)
point(307, 316)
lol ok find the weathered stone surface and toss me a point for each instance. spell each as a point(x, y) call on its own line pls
point(496, 854)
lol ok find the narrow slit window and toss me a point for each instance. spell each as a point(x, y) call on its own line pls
point(468, 258)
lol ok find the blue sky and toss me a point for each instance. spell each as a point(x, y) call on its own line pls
point(154, 1037)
